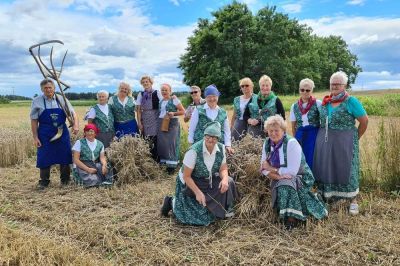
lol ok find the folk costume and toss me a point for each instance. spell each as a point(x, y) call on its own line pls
point(103, 118)
point(124, 116)
point(241, 107)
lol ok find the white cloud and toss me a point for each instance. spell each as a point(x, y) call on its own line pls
point(175, 2)
point(102, 50)
point(292, 8)
point(356, 2)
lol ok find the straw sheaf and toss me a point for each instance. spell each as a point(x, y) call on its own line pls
point(132, 160)
point(244, 167)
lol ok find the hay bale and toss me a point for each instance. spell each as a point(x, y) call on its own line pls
point(132, 160)
point(244, 166)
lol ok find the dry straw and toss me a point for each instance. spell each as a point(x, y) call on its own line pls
point(132, 160)
point(16, 145)
point(244, 168)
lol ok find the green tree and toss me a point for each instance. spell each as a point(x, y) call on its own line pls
point(237, 44)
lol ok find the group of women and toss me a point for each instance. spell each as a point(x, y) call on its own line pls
point(323, 154)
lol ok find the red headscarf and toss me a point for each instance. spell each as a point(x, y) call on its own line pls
point(91, 126)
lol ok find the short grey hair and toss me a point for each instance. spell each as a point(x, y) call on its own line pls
point(275, 120)
point(102, 92)
point(307, 81)
point(265, 79)
point(340, 74)
point(45, 81)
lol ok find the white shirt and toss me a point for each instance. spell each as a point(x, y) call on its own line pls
point(293, 158)
point(92, 113)
point(304, 117)
point(212, 114)
point(163, 105)
point(209, 158)
point(242, 105)
point(92, 146)
point(139, 97)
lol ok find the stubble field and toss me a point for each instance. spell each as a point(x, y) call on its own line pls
point(122, 225)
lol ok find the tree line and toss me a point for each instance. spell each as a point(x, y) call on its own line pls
point(236, 44)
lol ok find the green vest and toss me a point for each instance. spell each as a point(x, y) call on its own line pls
point(86, 153)
point(204, 119)
point(200, 169)
point(170, 107)
point(123, 113)
point(340, 118)
point(105, 123)
point(236, 106)
point(269, 109)
point(312, 115)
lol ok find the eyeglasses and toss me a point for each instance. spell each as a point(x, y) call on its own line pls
point(211, 137)
point(336, 84)
point(244, 85)
point(193, 92)
point(303, 90)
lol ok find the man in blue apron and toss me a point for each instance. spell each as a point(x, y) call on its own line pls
point(47, 117)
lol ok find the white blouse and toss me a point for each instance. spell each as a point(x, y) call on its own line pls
point(92, 112)
point(212, 114)
point(294, 153)
point(163, 105)
point(304, 117)
point(242, 105)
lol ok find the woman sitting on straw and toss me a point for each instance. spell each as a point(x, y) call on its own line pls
point(291, 179)
point(102, 117)
point(168, 134)
point(204, 191)
point(91, 164)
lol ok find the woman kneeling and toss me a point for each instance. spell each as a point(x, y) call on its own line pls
point(91, 164)
point(291, 179)
point(204, 191)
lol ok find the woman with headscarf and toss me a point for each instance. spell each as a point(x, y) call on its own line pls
point(268, 104)
point(168, 143)
point(304, 115)
point(90, 160)
point(123, 108)
point(241, 111)
point(210, 112)
point(336, 157)
point(103, 118)
point(283, 162)
point(204, 191)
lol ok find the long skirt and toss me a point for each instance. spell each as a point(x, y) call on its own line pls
point(105, 138)
point(306, 136)
point(239, 129)
point(126, 128)
point(336, 163)
point(168, 143)
point(256, 131)
point(149, 121)
point(90, 180)
point(188, 211)
point(293, 198)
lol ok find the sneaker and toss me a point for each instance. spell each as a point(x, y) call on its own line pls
point(353, 210)
point(167, 206)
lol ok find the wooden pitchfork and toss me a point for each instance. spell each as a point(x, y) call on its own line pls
point(52, 73)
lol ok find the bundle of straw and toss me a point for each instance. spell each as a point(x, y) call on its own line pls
point(244, 167)
point(132, 160)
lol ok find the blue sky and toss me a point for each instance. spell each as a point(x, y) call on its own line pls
point(114, 40)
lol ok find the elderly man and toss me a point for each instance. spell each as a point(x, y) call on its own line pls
point(47, 119)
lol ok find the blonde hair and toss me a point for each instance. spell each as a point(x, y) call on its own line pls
point(307, 81)
point(148, 78)
point(265, 79)
point(166, 85)
point(341, 75)
point(194, 87)
point(275, 120)
point(246, 80)
point(125, 84)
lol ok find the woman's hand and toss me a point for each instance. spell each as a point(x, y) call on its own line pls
point(104, 169)
point(171, 114)
point(230, 150)
point(224, 185)
point(201, 199)
point(91, 170)
point(140, 126)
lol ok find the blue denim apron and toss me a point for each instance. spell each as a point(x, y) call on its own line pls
point(58, 151)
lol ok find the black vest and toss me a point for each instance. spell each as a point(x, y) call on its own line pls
point(155, 102)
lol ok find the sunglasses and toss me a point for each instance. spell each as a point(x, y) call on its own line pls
point(245, 86)
point(303, 90)
point(193, 92)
